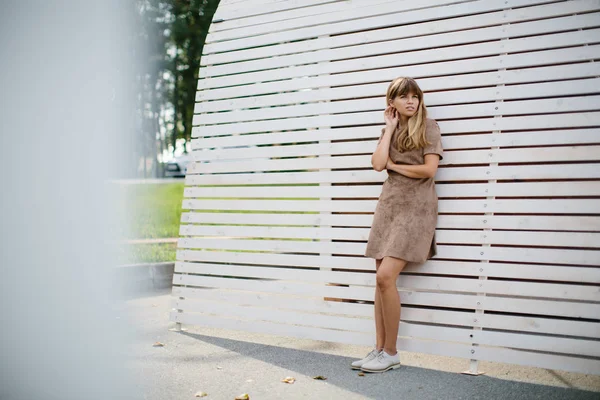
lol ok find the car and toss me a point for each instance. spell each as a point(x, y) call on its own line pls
point(177, 167)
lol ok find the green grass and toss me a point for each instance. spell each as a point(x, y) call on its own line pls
point(147, 253)
point(148, 211)
point(152, 210)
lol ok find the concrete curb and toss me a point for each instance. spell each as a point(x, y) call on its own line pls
point(145, 277)
point(147, 181)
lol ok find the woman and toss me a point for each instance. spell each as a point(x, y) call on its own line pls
point(405, 218)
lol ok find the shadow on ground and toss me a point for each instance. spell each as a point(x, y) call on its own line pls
point(406, 382)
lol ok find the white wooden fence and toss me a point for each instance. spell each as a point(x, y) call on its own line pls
point(289, 108)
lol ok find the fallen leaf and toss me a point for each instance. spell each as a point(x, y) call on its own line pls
point(320, 377)
point(158, 344)
point(201, 394)
point(289, 379)
point(244, 396)
point(361, 374)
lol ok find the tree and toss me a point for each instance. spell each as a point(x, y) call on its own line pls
point(169, 43)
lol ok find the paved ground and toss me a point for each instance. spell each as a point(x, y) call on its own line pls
point(226, 363)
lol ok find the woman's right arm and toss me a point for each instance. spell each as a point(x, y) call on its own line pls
point(379, 158)
point(381, 154)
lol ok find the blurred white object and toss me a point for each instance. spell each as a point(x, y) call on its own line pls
point(65, 100)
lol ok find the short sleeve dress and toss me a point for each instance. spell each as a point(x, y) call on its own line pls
point(406, 214)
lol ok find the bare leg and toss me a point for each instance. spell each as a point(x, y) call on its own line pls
point(387, 274)
point(379, 326)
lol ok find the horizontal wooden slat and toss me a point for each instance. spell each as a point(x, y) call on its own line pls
point(550, 256)
point(529, 189)
point(525, 324)
point(490, 286)
point(261, 8)
point(486, 53)
point(311, 304)
point(433, 100)
point(508, 139)
point(395, 15)
point(558, 239)
point(436, 267)
point(546, 361)
point(237, 97)
point(348, 15)
point(454, 39)
point(323, 319)
point(553, 154)
point(570, 206)
point(405, 344)
point(447, 349)
point(578, 120)
point(556, 171)
point(513, 21)
point(526, 222)
point(584, 103)
point(244, 16)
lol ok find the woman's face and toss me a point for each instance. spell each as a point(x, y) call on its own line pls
point(406, 104)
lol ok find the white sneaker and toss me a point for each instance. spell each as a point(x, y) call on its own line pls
point(369, 357)
point(382, 362)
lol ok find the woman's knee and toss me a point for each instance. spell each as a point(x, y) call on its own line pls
point(385, 280)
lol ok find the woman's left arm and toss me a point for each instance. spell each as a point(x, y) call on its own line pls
point(426, 170)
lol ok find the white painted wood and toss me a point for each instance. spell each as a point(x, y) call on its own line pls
point(290, 301)
point(571, 206)
point(286, 102)
point(441, 111)
point(572, 364)
point(246, 19)
point(509, 139)
point(263, 8)
point(286, 301)
point(559, 239)
point(534, 54)
point(431, 53)
point(280, 196)
point(512, 20)
point(299, 88)
point(549, 256)
point(406, 344)
point(396, 16)
point(526, 324)
point(448, 127)
point(565, 171)
point(536, 138)
point(541, 290)
point(546, 273)
point(529, 189)
point(324, 319)
point(525, 222)
point(554, 154)
point(349, 17)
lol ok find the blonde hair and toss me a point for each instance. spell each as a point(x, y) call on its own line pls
point(412, 135)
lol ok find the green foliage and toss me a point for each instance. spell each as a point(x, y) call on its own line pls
point(170, 40)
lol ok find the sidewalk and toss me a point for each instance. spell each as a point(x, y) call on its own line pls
point(226, 363)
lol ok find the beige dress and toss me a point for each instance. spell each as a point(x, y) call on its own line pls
point(406, 213)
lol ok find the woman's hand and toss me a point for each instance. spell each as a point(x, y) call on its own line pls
point(391, 117)
point(390, 164)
